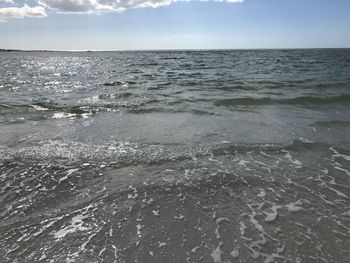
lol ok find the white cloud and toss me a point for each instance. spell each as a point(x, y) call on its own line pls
point(82, 6)
point(8, 1)
point(7, 13)
point(70, 6)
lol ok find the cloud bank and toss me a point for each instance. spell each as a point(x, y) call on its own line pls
point(7, 13)
point(71, 6)
point(82, 6)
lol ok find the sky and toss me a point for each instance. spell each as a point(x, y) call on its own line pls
point(173, 24)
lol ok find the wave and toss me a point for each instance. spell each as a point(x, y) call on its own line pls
point(332, 123)
point(299, 145)
point(298, 101)
point(104, 102)
point(139, 104)
point(6, 108)
point(127, 153)
point(116, 153)
point(119, 83)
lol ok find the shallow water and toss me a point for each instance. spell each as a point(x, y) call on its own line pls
point(175, 156)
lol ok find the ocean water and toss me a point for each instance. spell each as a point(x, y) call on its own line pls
point(175, 156)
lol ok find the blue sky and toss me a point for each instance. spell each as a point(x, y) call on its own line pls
point(62, 25)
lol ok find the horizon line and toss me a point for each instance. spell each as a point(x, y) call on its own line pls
point(165, 49)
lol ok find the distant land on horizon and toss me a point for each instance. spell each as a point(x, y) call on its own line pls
point(126, 50)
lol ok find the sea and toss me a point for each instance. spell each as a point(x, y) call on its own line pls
point(175, 156)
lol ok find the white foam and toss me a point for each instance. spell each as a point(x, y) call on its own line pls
point(155, 212)
point(139, 228)
point(69, 172)
point(242, 228)
point(289, 157)
point(337, 154)
point(86, 115)
point(343, 170)
point(324, 184)
point(272, 216)
point(305, 140)
point(39, 108)
point(256, 223)
point(262, 193)
point(83, 246)
point(75, 225)
point(45, 226)
point(217, 254)
point(162, 244)
point(179, 217)
point(187, 172)
point(215, 161)
point(218, 222)
point(101, 251)
point(243, 163)
point(194, 250)
point(235, 253)
point(62, 115)
point(115, 251)
point(293, 207)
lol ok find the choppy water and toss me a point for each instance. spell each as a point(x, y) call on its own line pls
point(206, 156)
